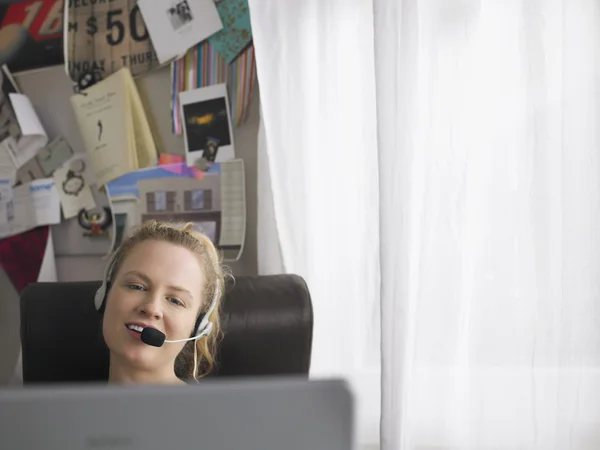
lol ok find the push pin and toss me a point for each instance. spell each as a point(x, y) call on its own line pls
point(86, 80)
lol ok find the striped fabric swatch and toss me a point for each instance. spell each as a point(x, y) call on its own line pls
point(203, 66)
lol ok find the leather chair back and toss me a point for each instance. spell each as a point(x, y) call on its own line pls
point(267, 323)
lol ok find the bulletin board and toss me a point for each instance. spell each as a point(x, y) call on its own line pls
point(50, 90)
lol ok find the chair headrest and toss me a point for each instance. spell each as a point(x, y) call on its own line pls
point(267, 323)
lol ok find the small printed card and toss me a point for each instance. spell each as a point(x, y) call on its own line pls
point(177, 25)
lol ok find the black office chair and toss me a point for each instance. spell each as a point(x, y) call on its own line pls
point(267, 322)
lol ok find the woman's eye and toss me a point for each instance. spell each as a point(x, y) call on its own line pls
point(135, 287)
point(175, 301)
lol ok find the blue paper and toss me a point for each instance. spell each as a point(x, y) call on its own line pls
point(128, 184)
point(237, 31)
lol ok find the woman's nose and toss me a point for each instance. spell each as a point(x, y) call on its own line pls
point(152, 306)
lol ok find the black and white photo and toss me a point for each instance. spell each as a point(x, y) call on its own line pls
point(180, 14)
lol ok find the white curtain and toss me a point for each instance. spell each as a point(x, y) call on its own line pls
point(489, 165)
point(319, 144)
point(480, 196)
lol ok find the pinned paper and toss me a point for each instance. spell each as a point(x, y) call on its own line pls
point(176, 164)
point(167, 159)
point(34, 204)
point(237, 31)
point(32, 137)
point(6, 203)
point(177, 25)
point(21, 132)
point(29, 172)
point(216, 205)
point(73, 187)
point(114, 127)
point(8, 173)
point(53, 156)
point(8, 120)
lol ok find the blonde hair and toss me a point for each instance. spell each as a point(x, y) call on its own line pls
point(214, 275)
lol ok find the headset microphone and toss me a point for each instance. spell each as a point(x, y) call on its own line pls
point(156, 338)
point(153, 337)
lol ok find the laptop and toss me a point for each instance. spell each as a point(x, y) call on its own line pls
point(242, 414)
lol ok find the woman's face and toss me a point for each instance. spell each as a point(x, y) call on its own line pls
point(158, 285)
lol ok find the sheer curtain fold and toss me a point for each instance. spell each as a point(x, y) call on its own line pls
point(315, 70)
point(439, 160)
point(491, 248)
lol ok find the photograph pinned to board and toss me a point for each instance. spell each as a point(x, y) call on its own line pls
point(73, 187)
point(215, 204)
point(207, 129)
point(21, 132)
point(177, 25)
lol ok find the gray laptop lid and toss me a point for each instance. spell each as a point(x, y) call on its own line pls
point(213, 415)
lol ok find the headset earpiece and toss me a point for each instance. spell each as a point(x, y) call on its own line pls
point(198, 323)
point(102, 292)
point(99, 297)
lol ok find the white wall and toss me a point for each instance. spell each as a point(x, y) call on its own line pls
point(49, 90)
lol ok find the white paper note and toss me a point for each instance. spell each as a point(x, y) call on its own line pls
point(177, 25)
point(34, 204)
point(6, 205)
point(53, 155)
point(33, 137)
point(73, 187)
point(8, 172)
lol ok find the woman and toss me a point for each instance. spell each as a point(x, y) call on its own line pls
point(162, 276)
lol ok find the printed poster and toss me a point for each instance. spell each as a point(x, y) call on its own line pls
point(31, 34)
point(104, 36)
point(215, 203)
